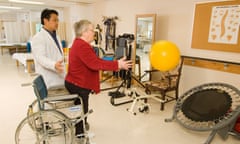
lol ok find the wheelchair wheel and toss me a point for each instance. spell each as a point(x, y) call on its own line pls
point(45, 127)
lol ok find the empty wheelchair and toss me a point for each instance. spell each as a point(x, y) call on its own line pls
point(50, 120)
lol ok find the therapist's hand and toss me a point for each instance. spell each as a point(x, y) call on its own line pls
point(59, 66)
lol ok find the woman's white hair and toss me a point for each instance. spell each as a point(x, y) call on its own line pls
point(81, 26)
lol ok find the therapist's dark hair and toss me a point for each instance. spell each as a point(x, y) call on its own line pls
point(46, 14)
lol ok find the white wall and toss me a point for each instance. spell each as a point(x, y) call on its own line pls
point(174, 23)
point(73, 14)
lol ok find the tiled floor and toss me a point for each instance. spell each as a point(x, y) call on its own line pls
point(111, 124)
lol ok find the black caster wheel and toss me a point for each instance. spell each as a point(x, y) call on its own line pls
point(144, 109)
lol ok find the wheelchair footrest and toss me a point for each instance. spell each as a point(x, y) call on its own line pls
point(72, 112)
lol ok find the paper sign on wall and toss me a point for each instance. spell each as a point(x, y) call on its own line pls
point(224, 24)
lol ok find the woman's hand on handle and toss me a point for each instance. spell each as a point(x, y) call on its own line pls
point(124, 64)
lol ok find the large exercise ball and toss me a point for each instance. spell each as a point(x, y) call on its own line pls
point(164, 55)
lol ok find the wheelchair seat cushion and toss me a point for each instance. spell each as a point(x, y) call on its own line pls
point(207, 105)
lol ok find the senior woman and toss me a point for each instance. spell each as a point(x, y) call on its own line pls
point(84, 65)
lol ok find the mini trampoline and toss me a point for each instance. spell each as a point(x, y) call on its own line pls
point(209, 107)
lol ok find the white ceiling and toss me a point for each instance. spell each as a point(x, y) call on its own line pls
point(55, 3)
point(48, 3)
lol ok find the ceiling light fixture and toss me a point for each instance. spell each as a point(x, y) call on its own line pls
point(27, 2)
point(10, 7)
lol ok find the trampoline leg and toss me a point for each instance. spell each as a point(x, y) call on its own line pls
point(173, 116)
point(169, 119)
point(210, 137)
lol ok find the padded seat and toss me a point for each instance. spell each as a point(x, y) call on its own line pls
point(26, 59)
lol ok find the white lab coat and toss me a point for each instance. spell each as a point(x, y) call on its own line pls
point(46, 54)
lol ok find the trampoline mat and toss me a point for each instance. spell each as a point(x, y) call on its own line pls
point(207, 105)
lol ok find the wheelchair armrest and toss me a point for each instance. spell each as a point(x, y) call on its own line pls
point(150, 71)
point(56, 87)
point(26, 84)
point(146, 72)
point(57, 91)
point(172, 75)
point(61, 98)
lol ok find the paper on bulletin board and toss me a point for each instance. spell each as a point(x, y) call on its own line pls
point(224, 24)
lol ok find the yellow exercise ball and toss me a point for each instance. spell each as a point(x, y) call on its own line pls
point(164, 55)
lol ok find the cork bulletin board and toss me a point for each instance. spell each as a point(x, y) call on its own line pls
point(217, 26)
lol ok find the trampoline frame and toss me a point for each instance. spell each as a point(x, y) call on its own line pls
point(222, 125)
